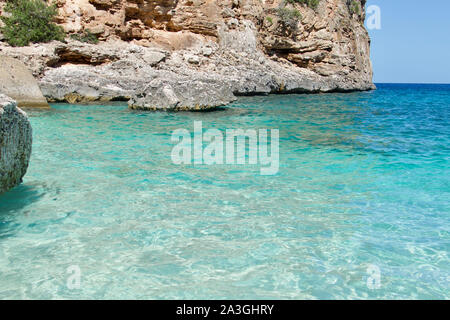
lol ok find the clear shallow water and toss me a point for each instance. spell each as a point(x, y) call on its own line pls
point(363, 180)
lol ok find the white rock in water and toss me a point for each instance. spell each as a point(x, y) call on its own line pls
point(182, 95)
point(15, 143)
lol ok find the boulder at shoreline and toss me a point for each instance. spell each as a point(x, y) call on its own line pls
point(15, 143)
point(17, 82)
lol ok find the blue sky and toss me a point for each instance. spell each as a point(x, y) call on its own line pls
point(413, 44)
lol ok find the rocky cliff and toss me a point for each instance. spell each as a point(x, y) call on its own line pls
point(15, 143)
point(184, 54)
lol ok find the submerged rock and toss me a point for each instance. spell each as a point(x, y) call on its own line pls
point(15, 143)
point(17, 82)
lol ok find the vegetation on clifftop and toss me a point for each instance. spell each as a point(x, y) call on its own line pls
point(310, 3)
point(354, 6)
point(30, 21)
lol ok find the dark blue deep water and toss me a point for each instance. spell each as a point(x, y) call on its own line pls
point(360, 206)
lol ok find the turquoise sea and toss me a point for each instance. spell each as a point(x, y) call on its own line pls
point(363, 185)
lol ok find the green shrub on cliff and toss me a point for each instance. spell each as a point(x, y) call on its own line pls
point(85, 36)
point(289, 18)
point(355, 7)
point(310, 3)
point(30, 21)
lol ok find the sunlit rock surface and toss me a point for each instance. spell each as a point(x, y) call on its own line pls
point(241, 45)
point(17, 82)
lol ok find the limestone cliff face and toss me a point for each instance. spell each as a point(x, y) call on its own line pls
point(244, 46)
point(329, 39)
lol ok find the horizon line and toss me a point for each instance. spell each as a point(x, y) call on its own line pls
point(440, 83)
